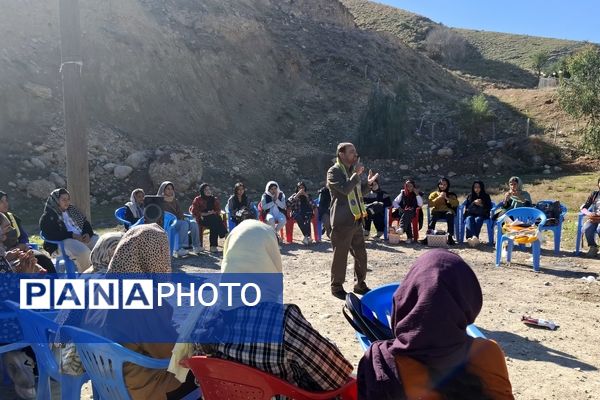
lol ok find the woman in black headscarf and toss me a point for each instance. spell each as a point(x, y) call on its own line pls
point(431, 356)
point(238, 204)
point(477, 210)
point(63, 221)
point(206, 208)
point(443, 204)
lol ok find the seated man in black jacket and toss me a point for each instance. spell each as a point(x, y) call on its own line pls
point(63, 221)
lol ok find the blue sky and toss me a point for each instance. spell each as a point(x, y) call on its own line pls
point(573, 19)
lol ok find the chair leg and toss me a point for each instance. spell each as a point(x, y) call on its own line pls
point(498, 252)
point(490, 228)
point(557, 235)
point(536, 255)
point(509, 250)
point(43, 387)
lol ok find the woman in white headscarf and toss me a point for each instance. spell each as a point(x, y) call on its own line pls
point(273, 206)
point(304, 357)
point(134, 208)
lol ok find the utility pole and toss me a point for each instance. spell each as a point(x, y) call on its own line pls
point(78, 176)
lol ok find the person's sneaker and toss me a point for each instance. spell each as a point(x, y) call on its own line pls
point(409, 241)
point(198, 250)
point(400, 231)
point(19, 368)
point(592, 251)
point(213, 249)
point(180, 253)
point(309, 240)
point(305, 241)
point(378, 235)
point(451, 241)
point(361, 289)
point(339, 293)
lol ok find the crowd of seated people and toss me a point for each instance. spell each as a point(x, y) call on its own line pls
point(394, 368)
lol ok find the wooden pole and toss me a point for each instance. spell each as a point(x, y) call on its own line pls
point(78, 177)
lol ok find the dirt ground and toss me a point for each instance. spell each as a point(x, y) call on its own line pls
point(542, 364)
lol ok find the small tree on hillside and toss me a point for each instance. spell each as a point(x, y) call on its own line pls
point(579, 96)
point(538, 60)
point(474, 113)
point(385, 122)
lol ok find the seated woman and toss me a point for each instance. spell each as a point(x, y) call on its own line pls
point(17, 364)
point(303, 358)
point(63, 221)
point(144, 249)
point(238, 205)
point(405, 207)
point(103, 252)
point(591, 208)
point(134, 208)
point(206, 208)
point(183, 225)
point(515, 197)
point(477, 210)
point(443, 204)
point(274, 206)
point(302, 210)
point(376, 201)
point(17, 237)
point(432, 357)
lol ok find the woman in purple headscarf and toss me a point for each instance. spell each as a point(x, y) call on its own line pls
point(432, 357)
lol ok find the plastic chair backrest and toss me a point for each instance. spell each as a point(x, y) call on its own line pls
point(37, 331)
point(103, 361)
point(379, 301)
point(69, 266)
point(222, 379)
point(527, 215)
point(120, 216)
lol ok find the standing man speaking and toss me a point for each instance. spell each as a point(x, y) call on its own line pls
point(347, 214)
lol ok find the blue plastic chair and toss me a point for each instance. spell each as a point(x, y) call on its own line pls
point(556, 229)
point(103, 361)
point(37, 332)
point(169, 221)
point(528, 215)
point(230, 220)
point(488, 221)
point(379, 301)
point(63, 263)
point(578, 238)
point(120, 216)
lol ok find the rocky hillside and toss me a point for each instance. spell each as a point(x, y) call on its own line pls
point(206, 90)
point(500, 58)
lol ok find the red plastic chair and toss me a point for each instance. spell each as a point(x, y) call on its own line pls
point(222, 379)
point(390, 219)
point(316, 226)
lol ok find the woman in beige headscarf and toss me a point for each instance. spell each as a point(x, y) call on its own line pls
point(144, 249)
point(304, 357)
